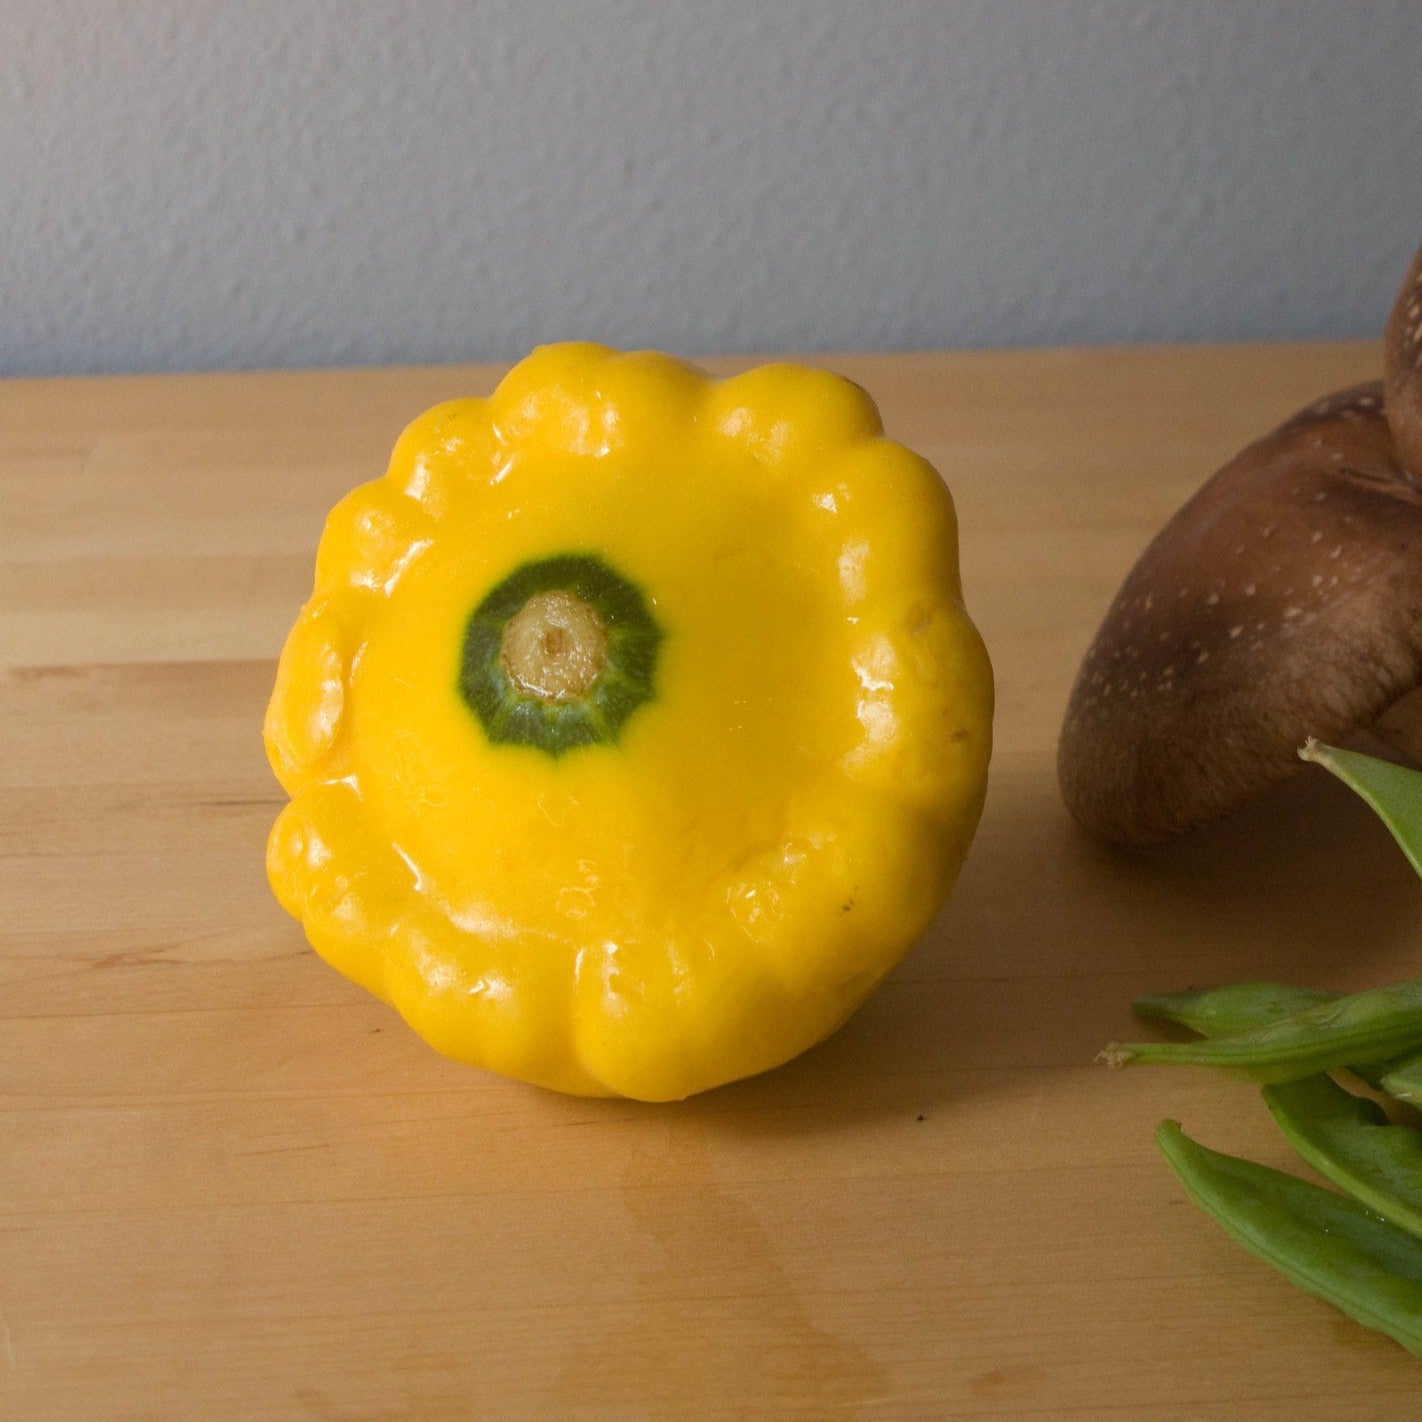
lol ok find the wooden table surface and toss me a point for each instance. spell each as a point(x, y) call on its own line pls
point(233, 1186)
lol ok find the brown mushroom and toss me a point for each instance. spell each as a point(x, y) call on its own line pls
point(1402, 349)
point(1283, 601)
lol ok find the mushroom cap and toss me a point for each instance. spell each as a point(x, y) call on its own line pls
point(1283, 601)
point(1402, 350)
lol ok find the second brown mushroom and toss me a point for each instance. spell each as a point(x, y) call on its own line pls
point(1282, 602)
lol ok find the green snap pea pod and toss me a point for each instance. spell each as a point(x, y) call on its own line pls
point(1371, 1026)
point(1235, 1007)
point(1392, 791)
point(1349, 1140)
point(1326, 1244)
point(1403, 1079)
point(1239, 1007)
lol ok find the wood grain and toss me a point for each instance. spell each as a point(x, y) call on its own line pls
point(231, 1186)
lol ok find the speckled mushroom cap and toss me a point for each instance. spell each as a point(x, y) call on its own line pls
point(1403, 351)
point(1283, 601)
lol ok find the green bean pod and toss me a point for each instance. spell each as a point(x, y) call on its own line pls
point(1326, 1244)
point(1240, 1007)
point(1372, 1026)
point(1349, 1140)
point(1403, 1079)
point(1234, 1007)
point(1392, 792)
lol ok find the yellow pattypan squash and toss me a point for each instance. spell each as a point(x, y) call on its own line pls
point(635, 727)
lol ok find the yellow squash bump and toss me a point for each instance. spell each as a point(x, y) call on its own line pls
point(693, 862)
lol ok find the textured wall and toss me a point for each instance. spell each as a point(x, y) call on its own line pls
point(281, 182)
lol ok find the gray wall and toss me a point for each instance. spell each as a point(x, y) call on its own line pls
point(295, 182)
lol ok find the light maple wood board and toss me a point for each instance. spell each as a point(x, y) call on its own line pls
point(232, 1186)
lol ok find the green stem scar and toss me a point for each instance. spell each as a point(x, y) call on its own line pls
point(559, 654)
